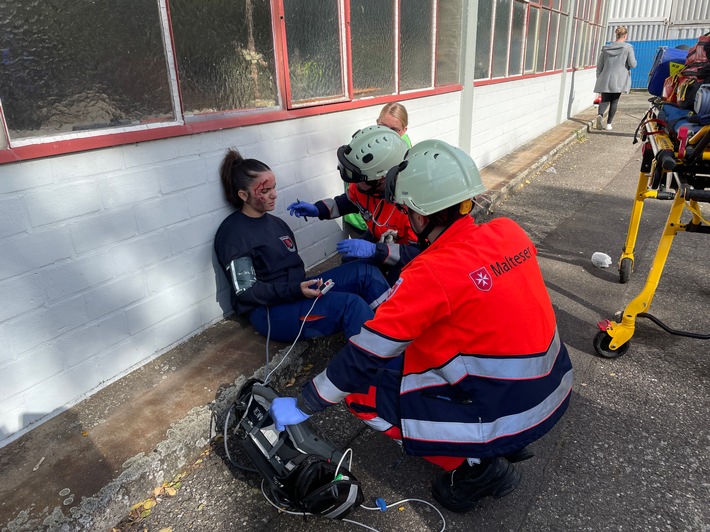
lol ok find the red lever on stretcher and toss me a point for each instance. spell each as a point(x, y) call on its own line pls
point(683, 141)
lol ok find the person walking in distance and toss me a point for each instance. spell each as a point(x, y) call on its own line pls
point(613, 75)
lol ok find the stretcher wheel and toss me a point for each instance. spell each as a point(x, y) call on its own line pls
point(625, 270)
point(601, 346)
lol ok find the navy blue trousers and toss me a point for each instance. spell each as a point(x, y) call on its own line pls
point(359, 288)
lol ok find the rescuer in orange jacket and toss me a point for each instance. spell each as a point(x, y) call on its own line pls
point(389, 241)
point(463, 364)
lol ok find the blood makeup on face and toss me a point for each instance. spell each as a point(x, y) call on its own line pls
point(262, 194)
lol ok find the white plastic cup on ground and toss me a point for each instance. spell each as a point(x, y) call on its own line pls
point(601, 260)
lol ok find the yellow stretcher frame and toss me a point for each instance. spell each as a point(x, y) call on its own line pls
point(663, 176)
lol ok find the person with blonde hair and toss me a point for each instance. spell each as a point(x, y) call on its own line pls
point(393, 116)
point(613, 75)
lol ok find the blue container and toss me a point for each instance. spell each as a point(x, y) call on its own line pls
point(645, 52)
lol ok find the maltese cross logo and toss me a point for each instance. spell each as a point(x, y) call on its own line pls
point(482, 279)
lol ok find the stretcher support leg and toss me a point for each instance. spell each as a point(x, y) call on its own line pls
point(621, 333)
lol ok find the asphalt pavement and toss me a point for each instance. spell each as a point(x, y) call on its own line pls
point(631, 453)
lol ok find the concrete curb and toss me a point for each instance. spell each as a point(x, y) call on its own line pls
point(185, 440)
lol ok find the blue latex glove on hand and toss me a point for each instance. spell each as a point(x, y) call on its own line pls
point(285, 412)
point(302, 209)
point(356, 248)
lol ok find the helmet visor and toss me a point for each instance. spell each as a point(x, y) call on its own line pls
point(348, 171)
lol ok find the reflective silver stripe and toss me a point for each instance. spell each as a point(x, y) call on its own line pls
point(352, 496)
point(384, 297)
point(378, 424)
point(377, 345)
point(458, 432)
point(393, 256)
point(327, 390)
point(498, 367)
point(332, 208)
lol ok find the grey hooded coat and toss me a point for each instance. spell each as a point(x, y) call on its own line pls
point(613, 68)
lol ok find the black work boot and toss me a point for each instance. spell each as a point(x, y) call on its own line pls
point(459, 490)
point(520, 455)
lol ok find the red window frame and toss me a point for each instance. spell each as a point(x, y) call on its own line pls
point(38, 148)
point(583, 7)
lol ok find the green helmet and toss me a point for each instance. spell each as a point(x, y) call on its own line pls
point(370, 154)
point(434, 176)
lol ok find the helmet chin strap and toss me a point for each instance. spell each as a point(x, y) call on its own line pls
point(423, 237)
point(371, 188)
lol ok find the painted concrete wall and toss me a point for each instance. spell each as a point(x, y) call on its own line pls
point(106, 256)
point(507, 115)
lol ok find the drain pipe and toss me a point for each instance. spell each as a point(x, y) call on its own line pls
point(468, 63)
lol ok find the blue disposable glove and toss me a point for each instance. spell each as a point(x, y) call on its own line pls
point(285, 412)
point(356, 248)
point(302, 209)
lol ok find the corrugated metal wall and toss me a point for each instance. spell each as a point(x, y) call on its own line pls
point(649, 20)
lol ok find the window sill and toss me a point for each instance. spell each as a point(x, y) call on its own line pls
point(42, 147)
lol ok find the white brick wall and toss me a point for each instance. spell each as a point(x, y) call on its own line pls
point(106, 256)
point(507, 115)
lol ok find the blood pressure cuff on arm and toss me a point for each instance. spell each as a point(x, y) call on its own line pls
point(241, 272)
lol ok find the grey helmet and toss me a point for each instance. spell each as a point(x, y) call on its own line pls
point(434, 176)
point(371, 153)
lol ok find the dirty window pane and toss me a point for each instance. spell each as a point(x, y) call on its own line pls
point(501, 37)
point(593, 45)
point(70, 65)
point(313, 42)
point(448, 45)
point(225, 54)
point(484, 30)
point(416, 33)
point(573, 43)
point(552, 41)
point(542, 41)
point(583, 47)
point(515, 68)
point(561, 42)
point(372, 45)
point(531, 43)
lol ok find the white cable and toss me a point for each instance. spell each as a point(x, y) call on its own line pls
point(291, 512)
point(376, 508)
point(363, 525)
point(443, 520)
point(279, 508)
point(305, 318)
point(268, 335)
point(350, 462)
